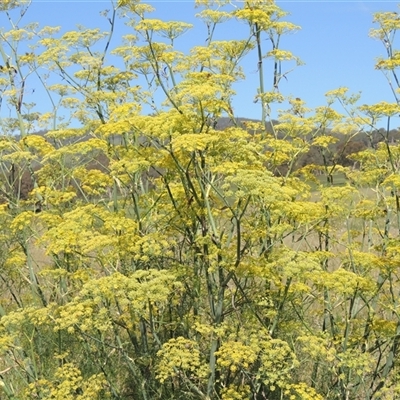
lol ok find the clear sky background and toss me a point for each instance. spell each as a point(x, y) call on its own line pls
point(333, 43)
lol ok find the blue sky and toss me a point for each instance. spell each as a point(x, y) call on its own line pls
point(333, 42)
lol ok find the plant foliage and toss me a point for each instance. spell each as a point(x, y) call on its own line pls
point(148, 254)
